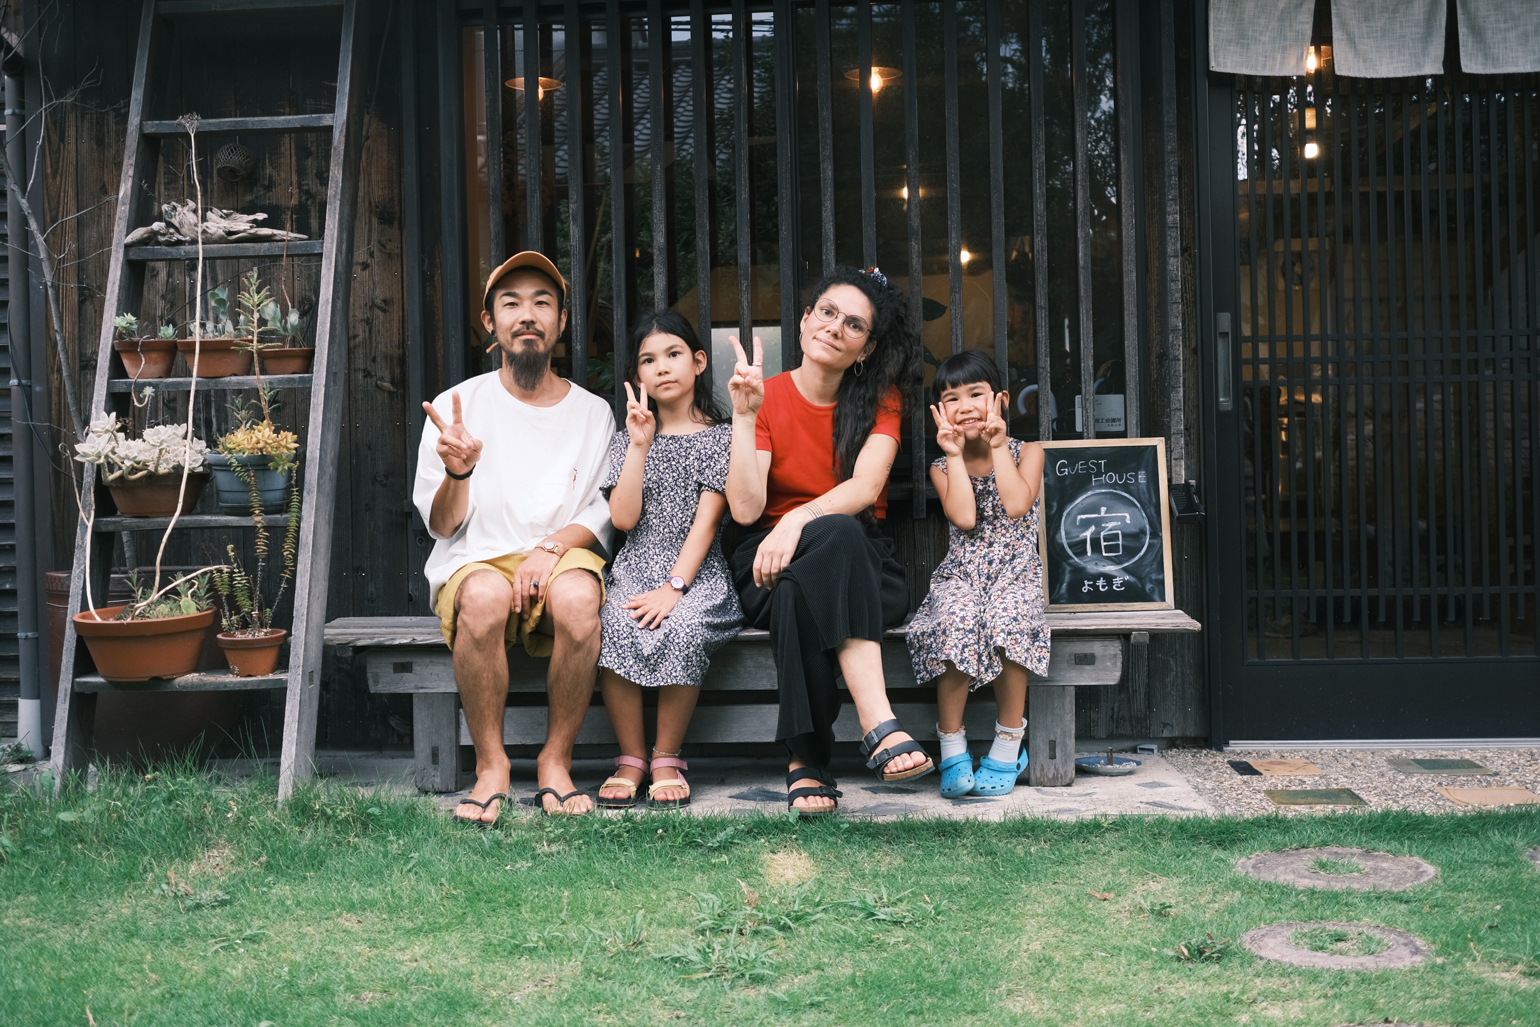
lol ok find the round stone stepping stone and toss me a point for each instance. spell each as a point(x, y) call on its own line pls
point(1534, 856)
point(1381, 871)
point(1275, 943)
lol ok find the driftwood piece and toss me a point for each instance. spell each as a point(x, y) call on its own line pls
point(182, 227)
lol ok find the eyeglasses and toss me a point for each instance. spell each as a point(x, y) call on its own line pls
point(828, 312)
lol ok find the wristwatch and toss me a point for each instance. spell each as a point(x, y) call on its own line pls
point(554, 548)
point(677, 584)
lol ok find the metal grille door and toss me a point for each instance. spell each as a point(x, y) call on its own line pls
point(1378, 395)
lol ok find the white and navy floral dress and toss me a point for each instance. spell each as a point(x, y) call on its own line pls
point(987, 595)
point(677, 652)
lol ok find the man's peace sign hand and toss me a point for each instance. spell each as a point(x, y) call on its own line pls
point(747, 385)
point(457, 447)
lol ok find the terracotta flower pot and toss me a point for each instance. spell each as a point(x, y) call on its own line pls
point(252, 656)
point(217, 358)
point(146, 358)
point(154, 495)
point(287, 361)
point(138, 650)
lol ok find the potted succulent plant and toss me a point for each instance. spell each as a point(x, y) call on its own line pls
point(146, 475)
point(254, 450)
point(220, 351)
point(143, 357)
point(288, 357)
point(249, 639)
point(159, 634)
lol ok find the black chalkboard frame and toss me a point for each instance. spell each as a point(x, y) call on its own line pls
point(1159, 446)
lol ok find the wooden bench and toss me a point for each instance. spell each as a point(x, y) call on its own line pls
point(408, 655)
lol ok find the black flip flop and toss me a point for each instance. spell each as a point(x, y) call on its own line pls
point(878, 760)
point(825, 788)
point(561, 802)
point(499, 797)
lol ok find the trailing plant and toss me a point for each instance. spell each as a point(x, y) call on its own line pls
point(161, 450)
point(245, 608)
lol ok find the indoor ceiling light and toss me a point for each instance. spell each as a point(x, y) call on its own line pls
point(547, 85)
point(880, 76)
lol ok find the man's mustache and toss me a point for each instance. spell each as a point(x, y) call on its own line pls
point(528, 326)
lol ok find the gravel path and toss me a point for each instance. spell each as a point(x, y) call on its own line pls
point(1366, 771)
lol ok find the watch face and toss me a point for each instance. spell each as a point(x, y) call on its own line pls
point(677, 582)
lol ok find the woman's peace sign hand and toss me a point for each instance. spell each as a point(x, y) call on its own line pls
point(996, 432)
point(747, 385)
point(947, 436)
point(640, 424)
point(456, 446)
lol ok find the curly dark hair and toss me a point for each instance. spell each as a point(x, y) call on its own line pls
point(671, 322)
point(894, 363)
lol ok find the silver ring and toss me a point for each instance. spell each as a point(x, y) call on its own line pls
point(759, 363)
point(536, 586)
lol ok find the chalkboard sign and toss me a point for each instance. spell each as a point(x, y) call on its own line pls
point(1104, 535)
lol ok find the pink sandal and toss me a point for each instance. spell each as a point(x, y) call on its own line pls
point(679, 782)
point(616, 781)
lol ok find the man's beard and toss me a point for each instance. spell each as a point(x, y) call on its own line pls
point(528, 365)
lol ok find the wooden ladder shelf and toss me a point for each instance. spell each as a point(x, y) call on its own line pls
point(125, 287)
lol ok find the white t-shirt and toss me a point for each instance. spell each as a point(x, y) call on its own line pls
point(539, 471)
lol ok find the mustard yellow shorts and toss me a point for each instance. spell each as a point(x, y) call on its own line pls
point(522, 628)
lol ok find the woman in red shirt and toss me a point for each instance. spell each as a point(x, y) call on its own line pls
point(811, 450)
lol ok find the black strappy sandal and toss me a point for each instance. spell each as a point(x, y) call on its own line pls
point(825, 788)
point(499, 797)
point(876, 761)
point(561, 802)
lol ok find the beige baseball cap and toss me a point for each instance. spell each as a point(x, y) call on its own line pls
point(528, 258)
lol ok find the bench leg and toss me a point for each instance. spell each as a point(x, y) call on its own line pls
point(435, 737)
point(1051, 735)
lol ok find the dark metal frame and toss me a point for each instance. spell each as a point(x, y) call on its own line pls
point(1278, 688)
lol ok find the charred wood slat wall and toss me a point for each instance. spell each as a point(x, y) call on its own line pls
point(716, 157)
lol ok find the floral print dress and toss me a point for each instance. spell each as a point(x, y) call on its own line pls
point(987, 595)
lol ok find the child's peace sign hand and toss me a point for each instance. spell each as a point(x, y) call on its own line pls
point(996, 433)
point(640, 423)
point(747, 385)
point(456, 446)
point(947, 436)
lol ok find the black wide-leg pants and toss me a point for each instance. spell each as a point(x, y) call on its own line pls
point(842, 583)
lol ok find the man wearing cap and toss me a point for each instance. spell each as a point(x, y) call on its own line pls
point(508, 476)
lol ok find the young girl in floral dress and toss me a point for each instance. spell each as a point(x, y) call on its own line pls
point(983, 621)
point(670, 601)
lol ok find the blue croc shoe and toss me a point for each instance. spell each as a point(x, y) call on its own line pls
point(996, 778)
point(956, 776)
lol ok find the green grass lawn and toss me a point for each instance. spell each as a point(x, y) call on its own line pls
point(171, 898)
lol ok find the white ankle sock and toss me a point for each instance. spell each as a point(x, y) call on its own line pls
point(1007, 746)
point(952, 742)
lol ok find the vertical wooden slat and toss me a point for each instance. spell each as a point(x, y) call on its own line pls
point(1173, 329)
point(953, 176)
point(577, 202)
point(743, 86)
point(1467, 486)
point(616, 42)
point(411, 260)
point(1126, 85)
point(1078, 72)
point(997, 190)
point(492, 62)
point(786, 174)
point(657, 83)
point(1532, 392)
point(534, 155)
point(1500, 419)
point(1039, 221)
point(1285, 519)
point(452, 257)
point(868, 157)
point(917, 461)
point(703, 100)
point(823, 57)
point(1338, 510)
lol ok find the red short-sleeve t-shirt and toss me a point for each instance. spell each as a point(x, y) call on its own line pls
point(800, 438)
